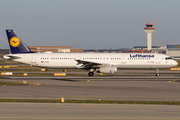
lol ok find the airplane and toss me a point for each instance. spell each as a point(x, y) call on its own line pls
point(93, 62)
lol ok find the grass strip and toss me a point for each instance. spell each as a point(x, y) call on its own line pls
point(91, 101)
point(9, 84)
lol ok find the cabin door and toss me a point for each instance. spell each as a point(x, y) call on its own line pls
point(33, 59)
point(123, 60)
point(158, 59)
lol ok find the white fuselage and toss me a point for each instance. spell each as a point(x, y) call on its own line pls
point(120, 60)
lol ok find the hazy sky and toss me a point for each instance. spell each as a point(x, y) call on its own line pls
point(90, 23)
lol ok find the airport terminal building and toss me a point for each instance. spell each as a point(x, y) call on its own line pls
point(173, 51)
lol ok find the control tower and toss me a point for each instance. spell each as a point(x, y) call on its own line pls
point(149, 29)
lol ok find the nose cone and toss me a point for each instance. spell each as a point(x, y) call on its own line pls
point(174, 63)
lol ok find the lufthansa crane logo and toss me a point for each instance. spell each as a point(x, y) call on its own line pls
point(14, 42)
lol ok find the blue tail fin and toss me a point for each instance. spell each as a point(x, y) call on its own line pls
point(16, 44)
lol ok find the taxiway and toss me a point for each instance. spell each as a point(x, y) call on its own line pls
point(71, 111)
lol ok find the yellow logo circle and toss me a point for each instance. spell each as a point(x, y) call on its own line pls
point(14, 42)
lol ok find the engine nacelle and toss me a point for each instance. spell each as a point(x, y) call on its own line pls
point(108, 69)
point(78, 66)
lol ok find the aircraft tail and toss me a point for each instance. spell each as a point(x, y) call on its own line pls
point(16, 44)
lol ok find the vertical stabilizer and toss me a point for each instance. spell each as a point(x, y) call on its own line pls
point(16, 44)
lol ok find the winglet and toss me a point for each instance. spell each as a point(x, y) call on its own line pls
point(16, 44)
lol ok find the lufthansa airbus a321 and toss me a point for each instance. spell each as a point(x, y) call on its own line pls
point(93, 62)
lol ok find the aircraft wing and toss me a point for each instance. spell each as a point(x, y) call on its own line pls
point(88, 64)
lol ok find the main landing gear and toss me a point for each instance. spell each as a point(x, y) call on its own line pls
point(90, 73)
point(157, 72)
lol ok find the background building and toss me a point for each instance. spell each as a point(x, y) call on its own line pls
point(173, 51)
point(3, 52)
point(54, 49)
point(158, 49)
point(45, 49)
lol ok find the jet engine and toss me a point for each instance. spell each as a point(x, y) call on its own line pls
point(107, 69)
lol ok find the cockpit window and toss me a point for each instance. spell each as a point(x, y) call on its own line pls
point(168, 58)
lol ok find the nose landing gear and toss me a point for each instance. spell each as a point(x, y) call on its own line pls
point(157, 72)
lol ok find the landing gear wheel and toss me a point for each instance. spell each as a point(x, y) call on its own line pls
point(157, 74)
point(90, 73)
